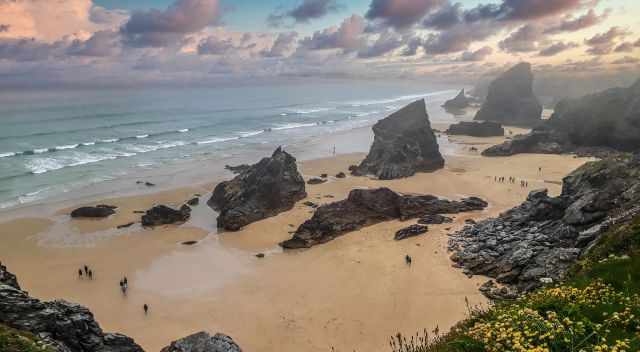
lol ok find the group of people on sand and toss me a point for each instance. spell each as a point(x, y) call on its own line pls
point(510, 179)
point(87, 272)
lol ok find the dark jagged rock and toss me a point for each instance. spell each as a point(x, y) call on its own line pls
point(476, 129)
point(193, 201)
point(510, 98)
point(435, 219)
point(164, 215)
point(341, 175)
point(459, 102)
point(238, 169)
point(403, 145)
point(324, 175)
point(100, 211)
point(316, 181)
point(203, 342)
point(539, 141)
point(411, 231)
point(364, 207)
point(265, 189)
point(310, 204)
point(189, 243)
point(7, 278)
point(64, 326)
point(541, 238)
point(124, 226)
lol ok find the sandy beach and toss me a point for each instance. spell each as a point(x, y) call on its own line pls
point(351, 293)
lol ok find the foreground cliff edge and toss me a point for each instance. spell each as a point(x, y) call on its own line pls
point(61, 326)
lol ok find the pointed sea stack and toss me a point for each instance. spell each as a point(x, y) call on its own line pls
point(265, 189)
point(511, 100)
point(404, 144)
point(458, 103)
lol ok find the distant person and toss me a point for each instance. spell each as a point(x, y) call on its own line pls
point(80, 273)
point(90, 274)
point(407, 259)
point(86, 270)
point(125, 281)
point(334, 150)
point(146, 309)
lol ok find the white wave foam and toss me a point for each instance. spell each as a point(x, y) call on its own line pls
point(111, 140)
point(88, 144)
point(5, 155)
point(397, 99)
point(70, 146)
point(250, 133)
point(142, 136)
point(310, 111)
point(40, 150)
point(42, 165)
point(217, 140)
point(183, 130)
point(289, 126)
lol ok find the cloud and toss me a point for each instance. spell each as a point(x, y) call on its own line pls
point(626, 61)
point(282, 46)
point(23, 50)
point(100, 44)
point(156, 28)
point(212, 45)
point(458, 37)
point(386, 43)
point(306, 11)
point(346, 37)
point(557, 48)
point(533, 9)
point(401, 13)
point(112, 18)
point(525, 39)
point(603, 43)
point(625, 47)
point(4, 28)
point(412, 46)
point(570, 24)
point(444, 18)
point(477, 55)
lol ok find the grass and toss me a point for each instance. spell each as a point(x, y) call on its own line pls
point(12, 340)
point(597, 308)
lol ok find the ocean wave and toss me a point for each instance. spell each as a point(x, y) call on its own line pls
point(6, 155)
point(184, 130)
point(289, 126)
point(309, 111)
point(397, 99)
point(65, 147)
point(43, 165)
point(141, 136)
point(216, 140)
point(250, 133)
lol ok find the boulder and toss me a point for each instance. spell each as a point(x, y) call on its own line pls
point(341, 175)
point(63, 326)
point(364, 207)
point(193, 201)
point(403, 144)
point(476, 129)
point(459, 102)
point(510, 99)
point(411, 231)
point(203, 342)
point(265, 189)
point(316, 181)
point(164, 215)
point(100, 211)
point(237, 169)
point(435, 219)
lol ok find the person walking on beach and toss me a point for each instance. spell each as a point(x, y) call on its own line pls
point(90, 274)
point(80, 273)
point(146, 309)
point(86, 270)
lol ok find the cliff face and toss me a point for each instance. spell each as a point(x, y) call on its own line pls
point(64, 326)
point(544, 236)
point(476, 129)
point(265, 189)
point(404, 144)
point(510, 98)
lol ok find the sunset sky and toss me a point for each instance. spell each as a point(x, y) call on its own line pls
point(114, 42)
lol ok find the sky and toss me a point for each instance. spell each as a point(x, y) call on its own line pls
point(107, 43)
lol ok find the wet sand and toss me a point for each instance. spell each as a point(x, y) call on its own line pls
point(351, 293)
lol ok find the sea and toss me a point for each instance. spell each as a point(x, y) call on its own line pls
point(64, 144)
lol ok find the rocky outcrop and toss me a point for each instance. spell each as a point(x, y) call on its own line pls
point(510, 99)
point(410, 231)
point(7, 278)
point(364, 207)
point(403, 144)
point(238, 168)
point(64, 326)
point(164, 215)
point(544, 236)
point(265, 189)
point(476, 129)
point(458, 103)
point(203, 342)
point(539, 141)
point(99, 211)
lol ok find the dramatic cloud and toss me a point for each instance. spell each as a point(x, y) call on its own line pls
point(603, 43)
point(346, 37)
point(477, 55)
point(625, 47)
point(4, 28)
point(444, 18)
point(213, 45)
point(304, 12)
point(22, 50)
point(557, 48)
point(458, 37)
point(155, 28)
point(401, 13)
point(386, 43)
point(282, 46)
point(627, 60)
point(112, 18)
point(571, 25)
point(532, 9)
point(525, 39)
point(100, 44)
point(412, 46)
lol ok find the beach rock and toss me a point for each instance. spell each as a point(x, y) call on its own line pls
point(364, 207)
point(459, 102)
point(189, 243)
point(324, 175)
point(124, 226)
point(265, 189)
point(510, 98)
point(203, 342)
point(310, 204)
point(100, 211)
point(476, 129)
point(237, 169)
point(316, 181)
point(544, 236)
point(538, 141)
point(341, 175)
point(411, 231)
point(164, 215)
point(403, 145)
point(435, 219)
point(260, 255)
point(8, 278)
point(149, 184)
point(193, 201)
point(64, 326)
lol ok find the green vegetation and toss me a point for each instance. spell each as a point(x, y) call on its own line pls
point(12, 340)
point(597, 308)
